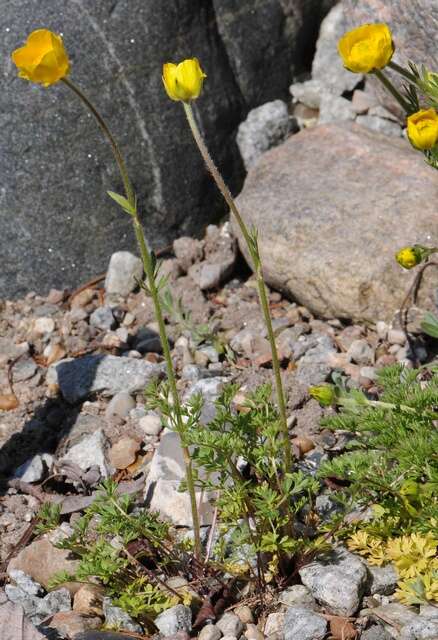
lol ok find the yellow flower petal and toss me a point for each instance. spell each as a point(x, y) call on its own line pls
point(366, 48)
point(183, 81)
point(43, 59)
point(423, 129)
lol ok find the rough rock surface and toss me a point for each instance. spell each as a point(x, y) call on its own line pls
point(327, 238)
point(118, 49)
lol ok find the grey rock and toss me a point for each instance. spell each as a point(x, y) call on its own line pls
point(34, 470)
point(230, 624)
point(335, 109)
point(123, 270)
point(313, 367)
point(327, 67)
point(380, 125)
point(210, 389)
point(382, 580)
point(100, 373)
point(296, 198)
point(297, 594)
point(53, 602)
point(120, 405)
point(428, 611)
point(103, 318)
point(326, 507)
point(150, 424)
point(177, 618)
point(420, 629)
point(274, 626)
point(302, 624)
point(360, 352)
point(337, 581)
point(394, 613)
point(24, 369)
point(363, 101)
point(308, 92)
point(116, 618)
point(188, 251)
point(376, 632)
point(166, 473)
point(210, 632)
point(264, 127)
point(26, 583)
point(18, 596)
point(89, 452)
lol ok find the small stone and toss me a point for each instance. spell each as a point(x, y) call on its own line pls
point(34, 470)
point(53, 602)
point(116, 618)
point(303, 624)
point(123, 272)
point(89, 600)
point(382, 329)
point(25, 582)
point(89, 452)
point(362, 101)
point(368, 372)
point(43, 326)
point(244, 614)
point(177, 618)
point(252, 632)
point(188, 251)
point(313, 368)
point(428, 611)
point(380, 125)
point(265, 127)
point(396, 336)
point(297, 594)
point(376, 632)
point(361, 353)
point(55, 296)
point(123, 453)
point(335, 109)
point(210, 632)
point(308, 93)
point(230, 624)
point(129, 319)
point(102, 318)
point(383, 580)
point(150, 424)
point(120, 405)
point(274, 626)
point(70, 623)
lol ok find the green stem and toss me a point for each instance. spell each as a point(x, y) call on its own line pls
point(403, 72)
point(392, 90)
point(149, 270)
point(255, 255)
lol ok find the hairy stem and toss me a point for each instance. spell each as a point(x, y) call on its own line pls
point(150, 274)
point(403, 72)
point(257, 265)
point(392, 90)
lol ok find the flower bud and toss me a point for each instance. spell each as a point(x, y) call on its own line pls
point(423, 129)
point(183, 81)
point(43, 59)
point(324, 394)
point(410, 257)
point(366, 48)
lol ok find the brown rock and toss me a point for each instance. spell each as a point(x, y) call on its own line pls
point(332, 205)
point(89, 600)
point(123, 453)
point(41, 560)
point(69, 623)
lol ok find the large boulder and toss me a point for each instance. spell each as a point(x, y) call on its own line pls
point(332, 205)
point(414, 27)
point(58, 225)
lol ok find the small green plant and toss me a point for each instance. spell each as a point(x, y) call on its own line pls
point(49, 517)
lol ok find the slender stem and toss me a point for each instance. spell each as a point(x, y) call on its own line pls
point(149, 270)
point(255, 255)
point(392, 90)
point(403, 72)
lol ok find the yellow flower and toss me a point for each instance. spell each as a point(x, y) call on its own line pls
point(409, 257)
point(324, 394)
point(423, 129)
point(412, 554)
point(43, 58)
point(183, 81)
point(366, 48)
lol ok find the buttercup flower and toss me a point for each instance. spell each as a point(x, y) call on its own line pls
point(366, 48)
point(43, 59)
point(183, 81)
point(423, 129)
point(324, 394)
point(409, 257)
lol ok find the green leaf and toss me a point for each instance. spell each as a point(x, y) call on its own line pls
point(429, 325)
point(122, 202)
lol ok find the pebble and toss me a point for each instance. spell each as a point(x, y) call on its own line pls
point(34, 469)
point(120, 405)
point(123, 453)
point(420, 629)
point(396, 336)
point(274, 626)
point(150, 424)
point(230, 624)
point(103, 318)
point(177, 618)
point(70, 623)
point(297, 594)
point(88, 452)
point(116, 618)
point(210, 632)
point(124, 270)
point(244, 614)
point(89, 599)
point(382, 580)
point(361, 353)
point(252, 632)
point(303, 624)
point(43, 326)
